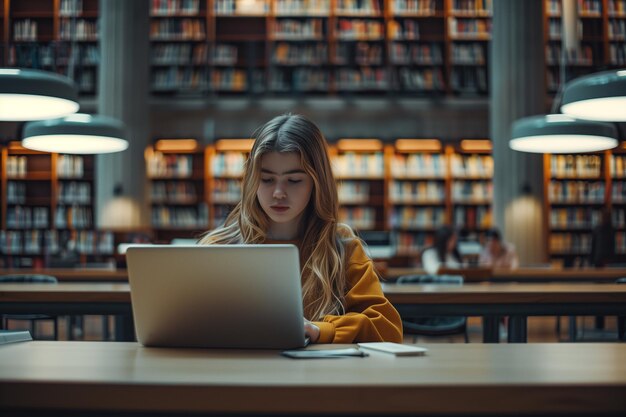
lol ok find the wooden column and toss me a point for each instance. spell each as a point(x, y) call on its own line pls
point(518, 89)
point(123, 89)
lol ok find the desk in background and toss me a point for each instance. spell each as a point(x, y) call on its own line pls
point(604, 275)
point(491, 301)
point(452, 379)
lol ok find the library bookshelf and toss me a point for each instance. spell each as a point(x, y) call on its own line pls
point(53, 35)
point(176, 171)
point(601, 31)
point(47, 209)
point(577, 188)
point(309, 47)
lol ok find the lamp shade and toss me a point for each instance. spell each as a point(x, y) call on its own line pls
point(558, 133)
point(600, 96)
point(76, 134)
point(27, 94)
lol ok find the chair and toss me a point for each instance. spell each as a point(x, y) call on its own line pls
point(433, 326)
point(29, 279)
point(621, 320)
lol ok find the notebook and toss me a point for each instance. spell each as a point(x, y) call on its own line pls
point(216, 296)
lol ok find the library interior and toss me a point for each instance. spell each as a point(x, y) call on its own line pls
point(490, 202)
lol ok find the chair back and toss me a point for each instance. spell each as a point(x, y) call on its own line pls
point(430, 279)
point(27, 279)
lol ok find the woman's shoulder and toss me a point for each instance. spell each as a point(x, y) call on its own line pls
point(352, 244)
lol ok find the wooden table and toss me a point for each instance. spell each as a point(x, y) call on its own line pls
point(571, 275)
point(76, 275)
point(604, 275)
point(72, 299)
point(452, 379)
point(518, 301)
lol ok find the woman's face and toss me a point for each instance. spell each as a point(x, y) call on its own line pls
point(284, 191)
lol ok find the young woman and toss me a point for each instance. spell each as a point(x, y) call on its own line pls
point(289, 195)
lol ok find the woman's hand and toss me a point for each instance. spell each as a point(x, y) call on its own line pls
point(311, 331)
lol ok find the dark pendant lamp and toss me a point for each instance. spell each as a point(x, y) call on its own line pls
point(76, 134)
point(27, 94)
point(559, 133)
point(600, 96)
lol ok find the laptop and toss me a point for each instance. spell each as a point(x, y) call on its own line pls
point(217, 296)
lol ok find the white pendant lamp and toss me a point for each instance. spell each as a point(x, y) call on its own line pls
point(27, 94)
point(600, 96)
point(559, 133)
point(76, 134)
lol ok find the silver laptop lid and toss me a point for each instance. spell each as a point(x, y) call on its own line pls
point(218, 296)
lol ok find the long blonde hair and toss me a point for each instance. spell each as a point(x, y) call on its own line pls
point(322, 245)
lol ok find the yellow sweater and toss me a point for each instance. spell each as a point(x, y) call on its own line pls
point(369, 316)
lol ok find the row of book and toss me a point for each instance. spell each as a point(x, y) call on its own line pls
point(180, 217)
point(472, 217)
point(74, 192)
point(179, 79)
point(41, 242)
point(617, 7)
point(469, 28)
point(359, 164)
point(617, 29)
point(159, 164)
point(360, 53)
point(226, 191)
point(19, 217)
point(70, 166)
point(179, 192)
point(73, 217)
point(421, 54)
point(70, 8)
point(352, 192)
point(572, 166)
point(590, 7)
point(569, 243)
point(579, 217)
point(418, 165)
point(469, 80)
point(471, 166)
point(302, 7)
point(358, 217)
point(299, 80)
point(576, 192)
point(228, 164)
point(412, 243)
point(174, 7)
point(417, 217)
point(419, 80)
point(472, 191)
point(177, 29)
point(581, 56)
point(417, 192)
point(79, 30)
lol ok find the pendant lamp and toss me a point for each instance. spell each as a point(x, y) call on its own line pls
point(559, 133)
point(27, 94)
point(600, 96)
point(76, 134)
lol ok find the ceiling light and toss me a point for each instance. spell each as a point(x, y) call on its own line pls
point(27, 94)
point(600, 96)
point(558, 133)
point(76, 134)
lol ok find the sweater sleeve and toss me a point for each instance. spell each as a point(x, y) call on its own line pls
point(369, 316)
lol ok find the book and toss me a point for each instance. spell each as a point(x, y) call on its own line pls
point(396, 349)
point(10, 336)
